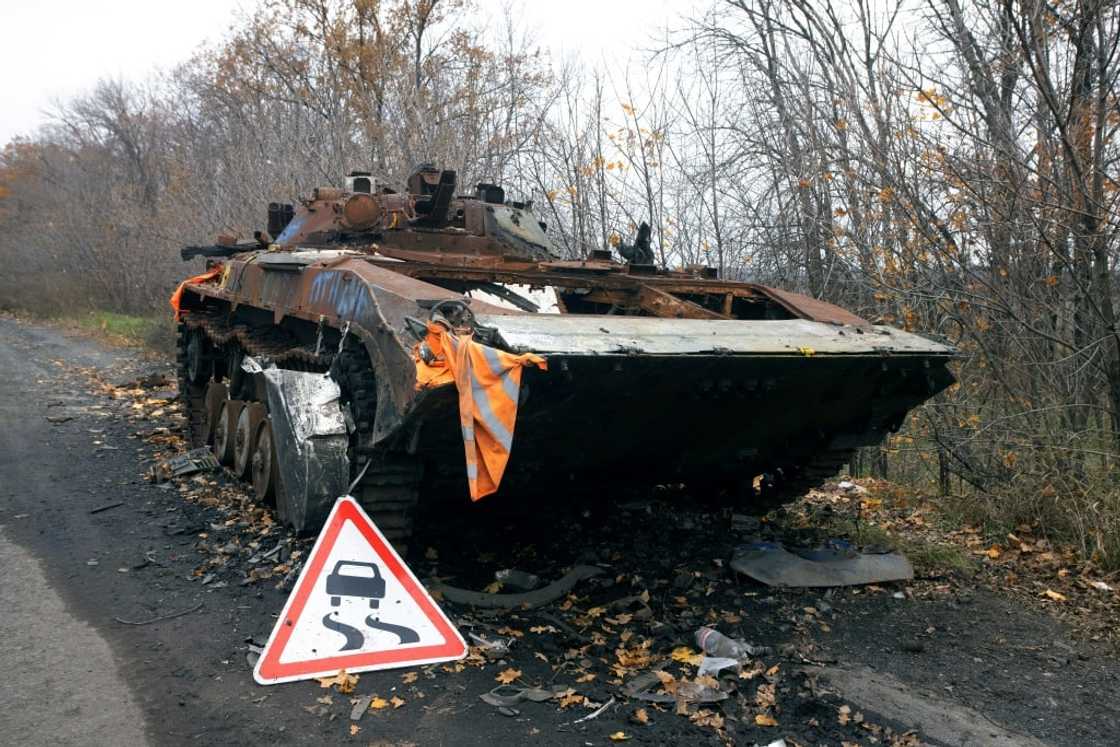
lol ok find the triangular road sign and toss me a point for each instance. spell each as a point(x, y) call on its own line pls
point(356, 606)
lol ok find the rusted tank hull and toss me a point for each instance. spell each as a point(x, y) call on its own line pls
point(654, 376)
point(702, 420)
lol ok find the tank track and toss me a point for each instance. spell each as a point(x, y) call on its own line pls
point(390, 485)
point(192, 395)
point(389, 488)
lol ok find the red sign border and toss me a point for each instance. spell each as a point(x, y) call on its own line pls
point(270, 670)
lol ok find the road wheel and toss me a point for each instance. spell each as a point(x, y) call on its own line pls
point(244, 439)
point(224, 431)
point(264, 464)
point(216, 394)
point(199, 360)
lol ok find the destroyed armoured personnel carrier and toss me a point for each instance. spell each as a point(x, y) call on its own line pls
point(387, 343)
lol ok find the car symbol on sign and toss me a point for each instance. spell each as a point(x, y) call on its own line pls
point(358, 580)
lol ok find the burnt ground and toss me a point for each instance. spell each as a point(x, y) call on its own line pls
point(941, 660)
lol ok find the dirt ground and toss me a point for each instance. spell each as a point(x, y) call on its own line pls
point(946, 659)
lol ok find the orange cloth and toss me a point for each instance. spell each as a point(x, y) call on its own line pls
point(177, 296)
point(489, 382)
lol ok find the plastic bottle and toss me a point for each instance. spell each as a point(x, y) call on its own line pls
point(714, 643)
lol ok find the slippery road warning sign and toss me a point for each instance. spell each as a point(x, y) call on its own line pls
point(356, 606)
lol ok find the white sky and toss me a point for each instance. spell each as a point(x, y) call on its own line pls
point(53, 50)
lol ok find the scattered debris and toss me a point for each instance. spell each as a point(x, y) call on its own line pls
point(836, 563)
point(525, 600)
point(713, 665)
point(361, 705)
point(519, 580)
point(714, 643)
point(493, 649)
point(510, 695)
point(644, 686)
point(106, 507)
point(161, 617)
point(596, 713)
point(194, 461)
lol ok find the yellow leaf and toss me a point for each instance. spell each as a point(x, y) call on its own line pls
point(508, 676)
point(345, 682)
point(408, 678)
point(570, 698)
point(619, 736)
point(586, 678)
point(396, 702)
point(806, 351)
point(354, 729)
point(765, 719)
point(378, 703)
point(686, 655)
point(992, 552)
point(493, 588)
point(1051, 594)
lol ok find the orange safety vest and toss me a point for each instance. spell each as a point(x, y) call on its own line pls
point(489, 382)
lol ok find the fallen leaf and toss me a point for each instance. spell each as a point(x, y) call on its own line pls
point(586, 678)
point(378, 703)
point(570, 698)
point(765, 719)
point(539, 629)
point(1100, 586)
point(619, 736)
point(764, 696)
point(396, 702)
point(408, 677)
point(345, 682)
point(507, 676)
point(1051, 594)
point(325, 700)
point(993, 552)
point(354, 729)
point(641, 716)
point(704, 717)
point(844, 714)
point(493, 588)
point(708, 681)
point(687, 656)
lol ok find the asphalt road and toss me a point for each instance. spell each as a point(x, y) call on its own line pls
point(73, 674)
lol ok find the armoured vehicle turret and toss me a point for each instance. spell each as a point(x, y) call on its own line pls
point(648, 376)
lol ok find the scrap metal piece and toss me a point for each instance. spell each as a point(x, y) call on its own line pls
point(192, 462)
point(835, 564)
point(310, 440)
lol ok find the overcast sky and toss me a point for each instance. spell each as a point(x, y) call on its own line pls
point(57, 49)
